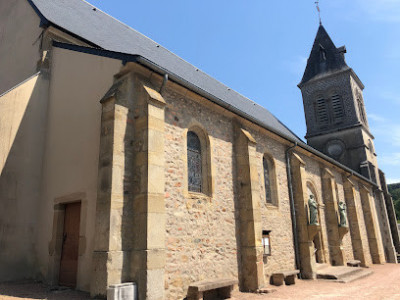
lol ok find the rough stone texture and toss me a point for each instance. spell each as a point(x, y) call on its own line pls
point(148, 253)
point(248, 197)
point(338, 83)
point(332, 218)
point(314, 185)
point(354, 223)
point(113, 243)
point(201, 230)
point(386, 235)
point(352, 132)
point(149, 227)
point(305, 232)
point(363, 226)
point(275, 217)
point(372, 226)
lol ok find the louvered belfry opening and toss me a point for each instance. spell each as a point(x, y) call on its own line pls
point(322, 111)
point(329, 110)
point(337, 108)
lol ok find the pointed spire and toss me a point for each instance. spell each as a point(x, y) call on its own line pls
point(324, 58)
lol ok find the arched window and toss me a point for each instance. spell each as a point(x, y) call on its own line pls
point(194, 159)
point(270, 186)
point(361, 110)
point(267, 181)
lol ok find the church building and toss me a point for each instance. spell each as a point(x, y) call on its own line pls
point(120, 162)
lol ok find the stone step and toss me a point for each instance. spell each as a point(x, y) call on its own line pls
point(342, 273)
point(356, 276)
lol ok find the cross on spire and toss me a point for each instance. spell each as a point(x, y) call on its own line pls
point(319, 12)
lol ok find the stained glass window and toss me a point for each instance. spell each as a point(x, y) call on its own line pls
point(267, 181)
point(194, 162)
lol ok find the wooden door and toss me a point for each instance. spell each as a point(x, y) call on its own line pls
point(70, 247)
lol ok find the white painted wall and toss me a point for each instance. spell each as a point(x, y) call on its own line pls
point(22, 126)
point(78, 82)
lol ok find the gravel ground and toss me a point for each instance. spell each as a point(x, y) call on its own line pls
point(383, 284)
point(32, 290)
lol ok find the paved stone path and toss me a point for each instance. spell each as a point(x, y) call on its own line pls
point(383, 284)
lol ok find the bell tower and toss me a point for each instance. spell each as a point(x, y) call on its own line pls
point(334, 108)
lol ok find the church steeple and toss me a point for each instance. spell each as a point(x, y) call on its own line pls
point(336, 120)
point(325, 58)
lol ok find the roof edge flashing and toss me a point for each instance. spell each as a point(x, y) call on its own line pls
point(181, 81)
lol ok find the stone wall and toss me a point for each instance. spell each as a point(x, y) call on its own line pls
point(314, 175)
point(201, 229)
point(275, 217)
point(202, 238)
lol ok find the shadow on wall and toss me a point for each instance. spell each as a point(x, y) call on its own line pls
point(22, 135)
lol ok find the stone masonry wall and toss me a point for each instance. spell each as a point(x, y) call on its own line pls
point(201, 230)
point(275, 217)
point(202, 235)
point(314, 174)
point(363, 229)
point(313, 171)
point(346, 242)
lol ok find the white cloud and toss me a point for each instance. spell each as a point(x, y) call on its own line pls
point(376, 118)
point(387, 132)
point(296, 65)
point(391, 159)
point(392, 180)
point(391, 97)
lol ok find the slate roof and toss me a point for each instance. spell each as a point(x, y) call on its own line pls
point(101, 30)
point(324, 58)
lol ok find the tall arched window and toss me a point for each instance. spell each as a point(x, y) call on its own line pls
point(267, 180)
point(361, 110)
point(270, 181)
point(194, 160)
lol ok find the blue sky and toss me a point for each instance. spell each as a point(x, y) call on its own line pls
point(260, 48)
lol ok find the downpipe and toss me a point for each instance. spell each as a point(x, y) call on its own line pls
point(292, 206)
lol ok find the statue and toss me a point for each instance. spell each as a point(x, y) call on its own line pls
point(342, 214)
point(313, 209)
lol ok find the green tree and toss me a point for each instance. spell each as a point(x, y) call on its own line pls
point(394, 190)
